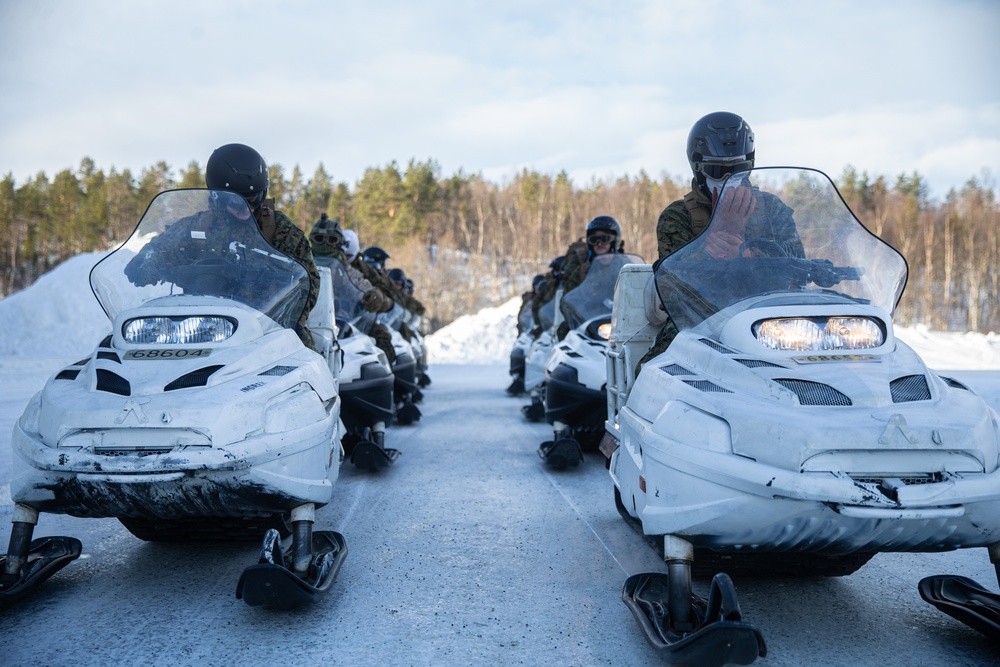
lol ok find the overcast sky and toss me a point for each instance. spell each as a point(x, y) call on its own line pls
point(599, 89)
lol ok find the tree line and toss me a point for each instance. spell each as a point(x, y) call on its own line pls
point(469, 243)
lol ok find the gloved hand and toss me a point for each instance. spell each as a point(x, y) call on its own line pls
point(721, 245)
point(371, 301)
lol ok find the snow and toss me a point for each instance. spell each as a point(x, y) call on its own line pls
point(58, 317)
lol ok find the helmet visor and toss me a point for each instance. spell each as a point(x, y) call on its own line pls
point(719, 170)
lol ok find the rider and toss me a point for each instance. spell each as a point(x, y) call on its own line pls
point(603, 236)
point(328, 242)
point(720, 144)
point(239, 169)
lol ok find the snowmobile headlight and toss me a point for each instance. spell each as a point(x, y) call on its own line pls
point(178, 330)
point(604, 331)
point(803, 334)
point(599, 330)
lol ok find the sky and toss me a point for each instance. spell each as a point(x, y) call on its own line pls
point(597, 89)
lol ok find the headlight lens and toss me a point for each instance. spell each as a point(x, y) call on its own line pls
point(604, 331)
point(814, 335)
point(178, 330)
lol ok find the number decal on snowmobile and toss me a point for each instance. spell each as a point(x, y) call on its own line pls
point(167, 354)
point(820, 358)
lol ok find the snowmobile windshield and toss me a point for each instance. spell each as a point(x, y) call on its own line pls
point(205, 243)
point(547, 314)
point(595, 295)
point(347, 297)
point(779, 230)
point(394, 318)
point(525, 322)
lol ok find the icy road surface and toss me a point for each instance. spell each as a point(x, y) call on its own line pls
point(467, 552)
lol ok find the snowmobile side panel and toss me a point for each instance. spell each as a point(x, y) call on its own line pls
point(570, 402)
point(366, 402)
point(720, 637)
point(965, 600)
point(273, 586)
point(46, 556)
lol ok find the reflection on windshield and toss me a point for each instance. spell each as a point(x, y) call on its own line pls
point(204, 243)
point(788, 231)
point(595, 295)
point(347, 296)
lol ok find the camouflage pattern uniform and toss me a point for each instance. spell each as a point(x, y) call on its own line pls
point(686, 218)
point(381, 335)
point(278, 230)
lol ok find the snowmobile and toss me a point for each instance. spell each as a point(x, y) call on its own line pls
point(525, 323)
point(538, 353)
point(406, 390)
point(201, 416)
point(576, 368)
point(785, 428)
point(419, 347)
point(366, 379)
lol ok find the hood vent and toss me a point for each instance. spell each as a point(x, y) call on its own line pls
point(909, 388)
point(278, 371)
point(112, 383)
point(815, 393)
point(198, 378)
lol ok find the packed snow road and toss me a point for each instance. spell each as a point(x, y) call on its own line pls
point(467, 551)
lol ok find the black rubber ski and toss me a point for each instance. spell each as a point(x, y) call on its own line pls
point(561, 454)
point(271, 585)
point(720, 636)
point(367, 455)
point(46, 556)
point(965, 600)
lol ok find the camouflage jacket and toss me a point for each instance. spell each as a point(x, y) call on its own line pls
point(278, 230)
point(684, 219)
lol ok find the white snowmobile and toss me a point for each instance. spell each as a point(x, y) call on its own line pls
point(404, 368)
point(785, 427)
point(538, 353)
point(525, 324)
point(366, 378)
point(202, 415)
point(576, 369)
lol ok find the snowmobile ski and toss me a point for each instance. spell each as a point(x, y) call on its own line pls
point(367, 455)
point(46, 556)
point(720, 636)
point(561, 454)
point(965, 600)
point(270, 584)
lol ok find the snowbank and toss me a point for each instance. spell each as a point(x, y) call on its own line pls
point(58, 316)
point(484, 338)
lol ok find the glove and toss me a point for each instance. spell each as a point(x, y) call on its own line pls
point(721, 245)
point(371, 301)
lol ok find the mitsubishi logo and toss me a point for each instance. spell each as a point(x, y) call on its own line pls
point(133, 407)
point(897, 427)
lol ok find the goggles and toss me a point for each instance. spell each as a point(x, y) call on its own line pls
point(595, 239)
point(719, 170)
point(332, 239)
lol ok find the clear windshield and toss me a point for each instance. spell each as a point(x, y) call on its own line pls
point(347, 296)
point(788, 231)
point(596, 294)
point(394, 318)
point(525, 322)
point(205, 243)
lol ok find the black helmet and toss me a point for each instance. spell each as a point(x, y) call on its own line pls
point(719, 144)
point(326, 232)
point(375, 256)
point(536, 282)
point(604, 223)
point(397, 276)
point(238, 168)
